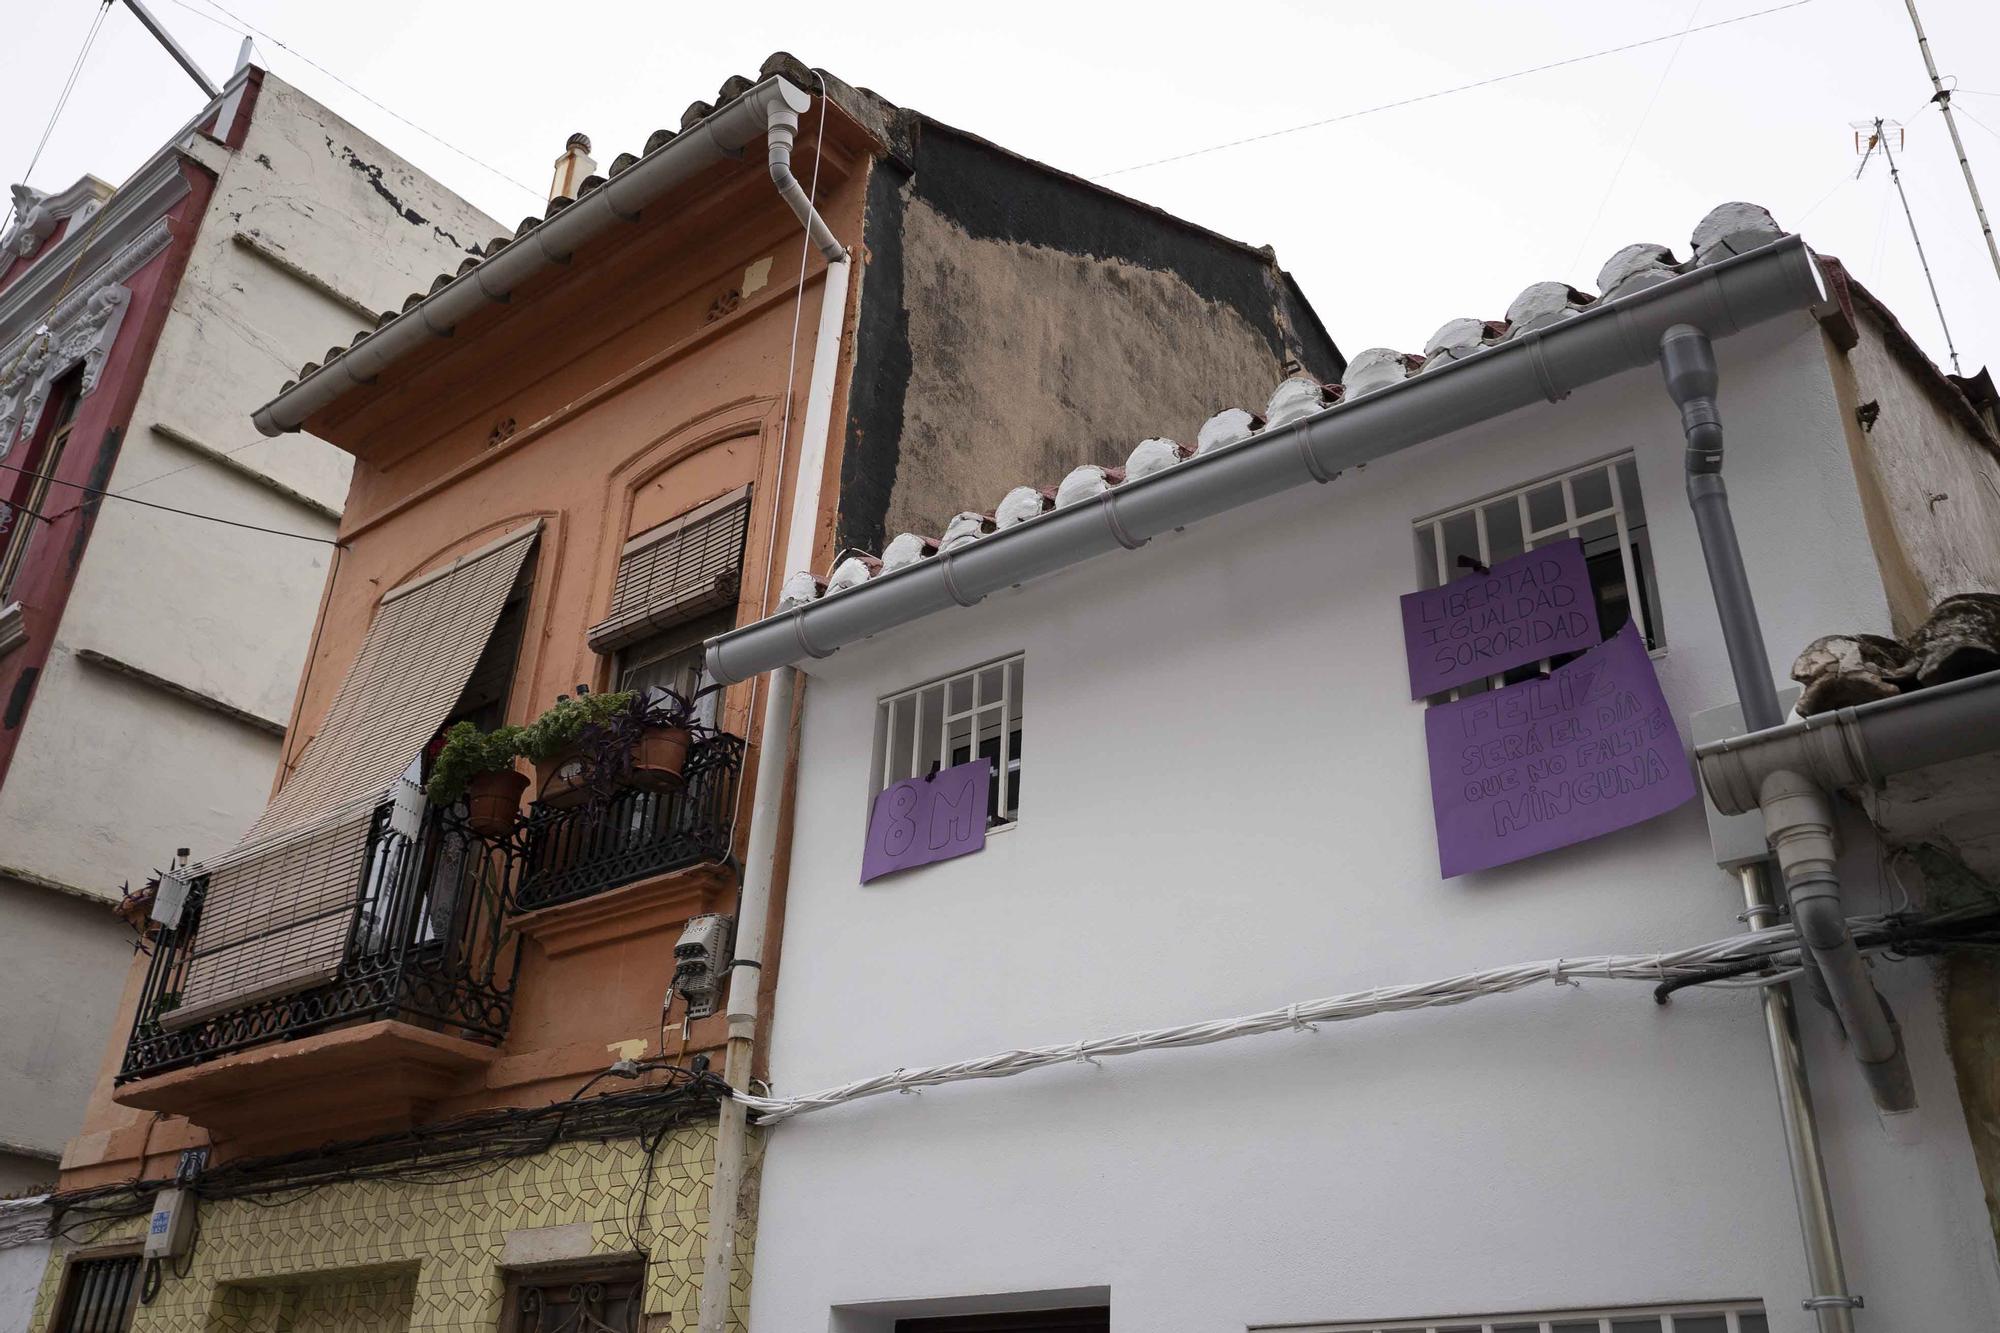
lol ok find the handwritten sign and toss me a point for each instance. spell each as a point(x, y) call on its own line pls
point(1524, 609)
point(1540, 765)
point(922, 820)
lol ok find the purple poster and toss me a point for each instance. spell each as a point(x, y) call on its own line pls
point(1543, 764)
point(1523, 609)
point(922, 820)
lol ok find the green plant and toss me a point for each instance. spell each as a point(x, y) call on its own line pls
point(467, 753)
point(556, 732)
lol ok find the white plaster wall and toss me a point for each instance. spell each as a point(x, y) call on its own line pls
point(21, 1268)
point(1225, 808)
point(111, 775)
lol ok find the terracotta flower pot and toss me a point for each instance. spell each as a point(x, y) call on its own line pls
point(660, 758)
point(492, 801)
point(559, 782)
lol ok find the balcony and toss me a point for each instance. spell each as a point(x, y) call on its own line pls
point(425, 946)
point(424, 989)
point(575, 853)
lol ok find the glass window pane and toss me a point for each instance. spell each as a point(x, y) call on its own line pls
point(1592, 490)
point(1651, 1323)
point(930, 732)
point(958, 694)
point(902, 728)
point(1427, 561)
point(1545, 507)
point(1503, 530)
point(989, 684)
point(1628, 493)
point(1016, 682)
point(1461, 542)
point(1752, 1323)
point(1702, 1323)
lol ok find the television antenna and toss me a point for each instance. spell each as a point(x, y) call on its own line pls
point(1887, 136)
point(1942, 96)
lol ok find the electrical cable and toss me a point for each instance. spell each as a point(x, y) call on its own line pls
point(1734, 955)
point(1645, 114)
point(386, 110)
point(62, 100)
point(1459, 88)
point(170, 509)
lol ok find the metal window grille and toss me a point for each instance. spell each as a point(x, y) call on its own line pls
point(99, 1295)
point(1599, 503)
point(671, 573)
point(602, 1298)
point(1701, 1317)
point(951, 721)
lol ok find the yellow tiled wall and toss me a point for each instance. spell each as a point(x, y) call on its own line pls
point(434, 1248)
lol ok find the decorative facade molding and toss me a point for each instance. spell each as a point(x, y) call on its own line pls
point(37, 214)
point(81, 329)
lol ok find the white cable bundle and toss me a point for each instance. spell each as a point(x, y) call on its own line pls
point(1776, 944)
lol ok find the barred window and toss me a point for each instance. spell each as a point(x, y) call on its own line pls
point(98, 1295)
point(600, 1297)
point(1599, 503)
point(1703, 1317)
point(952, 721)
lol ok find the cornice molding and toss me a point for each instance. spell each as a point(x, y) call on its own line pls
point(76, 259)
point(36, 215)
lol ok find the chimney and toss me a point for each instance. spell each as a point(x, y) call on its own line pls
point(572, 168)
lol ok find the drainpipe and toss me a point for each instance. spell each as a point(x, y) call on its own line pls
point(753, 910)
point(1798, 814)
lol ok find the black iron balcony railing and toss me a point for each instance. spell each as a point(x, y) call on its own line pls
point(576, 852)
point(425, 944)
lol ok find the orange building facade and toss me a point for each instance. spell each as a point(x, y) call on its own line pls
point(408, 1075)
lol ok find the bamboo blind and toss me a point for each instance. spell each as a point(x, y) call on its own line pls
point(683, 568)
point(279, 905)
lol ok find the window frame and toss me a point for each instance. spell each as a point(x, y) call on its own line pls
point(62, 1314)
point(29, 495)
point(603, 1267)
point(1638, 568)
point(1012, 705)
point(1731, 1311)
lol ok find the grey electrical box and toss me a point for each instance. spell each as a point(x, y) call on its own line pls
point(701, 963)
point(1738, 840)
point(172, 1224)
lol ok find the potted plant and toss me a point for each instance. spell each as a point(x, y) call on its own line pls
point(555, 742)
point(589, 747)
point(479, 766)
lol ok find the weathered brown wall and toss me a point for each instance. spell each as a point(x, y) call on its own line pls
point(1930, 485)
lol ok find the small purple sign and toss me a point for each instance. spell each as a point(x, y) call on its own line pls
point(1525, 608)
point(922, 820)
point(1546, 763)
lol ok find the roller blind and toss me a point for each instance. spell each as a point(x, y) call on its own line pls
point(278, 906)
point(683, 568)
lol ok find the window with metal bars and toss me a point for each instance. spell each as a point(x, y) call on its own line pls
point(598, 1297)
point(98, 1295)
point(1598, 503)
point(952, 721)
point(1701, 1317)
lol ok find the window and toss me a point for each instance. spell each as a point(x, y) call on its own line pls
point(952, 721)
point(674, 660)
point(1599, 504)
point(598, 1298)
point(27, 492)
point(1095, 1319)
point(98, 1295)
point(1709, 1317)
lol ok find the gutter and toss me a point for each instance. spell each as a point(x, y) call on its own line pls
point(1859, 746)
point(622, 199)
point(1541, 365)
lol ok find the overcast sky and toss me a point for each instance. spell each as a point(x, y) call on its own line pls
point(1393, 222)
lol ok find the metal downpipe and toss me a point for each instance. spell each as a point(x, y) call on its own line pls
point(1831, 1302)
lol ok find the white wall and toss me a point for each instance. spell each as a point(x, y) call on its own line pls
point(112, 774)
point(1224, 808)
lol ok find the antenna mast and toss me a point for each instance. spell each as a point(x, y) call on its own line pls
point(180, 55)
point(1880, 139)
point(1942, 96)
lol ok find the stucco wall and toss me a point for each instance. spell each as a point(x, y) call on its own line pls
point(62, 959)
point(1930, 482)
point(1225, 807)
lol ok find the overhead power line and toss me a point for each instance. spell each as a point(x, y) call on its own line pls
point(170, 509)
point(251, 28)
point(62, 100)
point(1674, 36)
